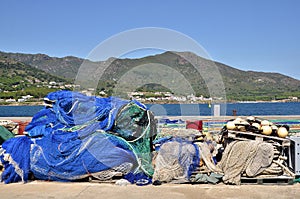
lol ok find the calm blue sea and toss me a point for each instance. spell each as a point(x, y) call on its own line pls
point(290, 108)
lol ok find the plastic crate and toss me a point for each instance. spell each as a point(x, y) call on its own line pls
point(294, 155)
point(197, 124)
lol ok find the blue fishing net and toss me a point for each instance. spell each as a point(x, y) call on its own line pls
point(14, 156)
point(75, 136)
point(66, 109)
point(64, 157)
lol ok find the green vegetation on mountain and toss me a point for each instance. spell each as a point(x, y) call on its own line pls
point(169, 71)
point(18, 79)
point(239, 85)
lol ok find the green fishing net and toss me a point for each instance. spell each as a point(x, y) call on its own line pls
point(137, 126)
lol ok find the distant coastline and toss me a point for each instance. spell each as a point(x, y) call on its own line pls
point(40, 103)
point(22, 104)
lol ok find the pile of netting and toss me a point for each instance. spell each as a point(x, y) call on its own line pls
point(77, 136)
point(249, 157)
point(175, 160)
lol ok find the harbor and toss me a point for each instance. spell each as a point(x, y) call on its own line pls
point(181, 132)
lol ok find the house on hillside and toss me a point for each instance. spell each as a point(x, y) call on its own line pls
point(10, 100)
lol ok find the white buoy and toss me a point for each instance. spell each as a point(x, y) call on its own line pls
point(257, 126)
point(245, 123)
point(230, 125)
point(265, 123)
point(266, 130)
point(282, 132)
point(251, 118)
point(238, 120)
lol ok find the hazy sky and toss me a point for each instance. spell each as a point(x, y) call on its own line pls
point(260, 35)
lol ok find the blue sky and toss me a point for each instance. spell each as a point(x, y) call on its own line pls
point(259, 35)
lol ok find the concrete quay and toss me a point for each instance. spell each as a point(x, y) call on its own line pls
point(57, 190)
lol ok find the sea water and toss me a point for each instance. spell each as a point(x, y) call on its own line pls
point(244, 109)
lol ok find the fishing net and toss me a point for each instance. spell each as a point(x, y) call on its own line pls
point(251, 157)
point(5, 134)
point(120, 170)
point(76, 136)
point(14, 156)
point(175, 161)
point(64, 157)
point(137, 126)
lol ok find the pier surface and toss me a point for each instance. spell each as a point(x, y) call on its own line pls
point(53, 190)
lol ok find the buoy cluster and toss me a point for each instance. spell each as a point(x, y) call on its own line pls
point(255, 125)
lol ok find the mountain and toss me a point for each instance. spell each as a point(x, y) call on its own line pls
point(64, 67)
point(174, 71)
point(17, 79)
